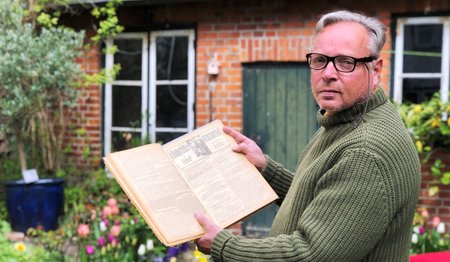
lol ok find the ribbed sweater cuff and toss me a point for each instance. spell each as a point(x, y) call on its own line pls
point(219, 243)
point(270, 169)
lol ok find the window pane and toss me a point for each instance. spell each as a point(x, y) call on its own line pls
point(419, 90)
point(171, 106)
point(426, 42)
point(125, 140)
point(126, 106)
point(129, 56)
point(171, 57)
point(165, 137)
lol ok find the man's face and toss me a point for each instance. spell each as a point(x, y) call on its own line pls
point(333, 90)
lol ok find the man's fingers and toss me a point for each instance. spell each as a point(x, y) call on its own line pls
point(205, 242)
point(206, 223)
point(234, 134)
point(202, 220)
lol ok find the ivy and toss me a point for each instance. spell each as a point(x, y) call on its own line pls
point(109, 24)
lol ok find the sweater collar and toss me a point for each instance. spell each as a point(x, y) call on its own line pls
point(353, 113)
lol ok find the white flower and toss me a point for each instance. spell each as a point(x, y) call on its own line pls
point(102, 226)
point(150, 244)
point(441, 228)
point(141, 250)
point(416, 229)
point(415, 238)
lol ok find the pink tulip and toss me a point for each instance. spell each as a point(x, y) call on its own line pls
point(101, 241)
point(115, 230)
point(112, 202)
point(436, 221)
point(90, 249)
point(115, 210)
point(421, 230)
point(111, 238)
point(107, 212)
point(424, 213)
point(83, 230)
point(93, 214)
point(115, 242)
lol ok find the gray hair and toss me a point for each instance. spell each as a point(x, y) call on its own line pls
point(374, 27)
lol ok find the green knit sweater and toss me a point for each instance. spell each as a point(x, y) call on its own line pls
point(352, 197)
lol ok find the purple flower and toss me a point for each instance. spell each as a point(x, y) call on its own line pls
point(111, 238)
point(106, 222)
point(157, 259)
point(90, 249)
point(421, 230)
point(101, 241)
point(172, 252)
point(183, 247)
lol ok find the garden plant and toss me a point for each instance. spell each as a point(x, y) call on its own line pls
point(429, 125)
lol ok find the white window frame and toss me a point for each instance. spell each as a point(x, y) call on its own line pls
point(148, 86)
point(190, 82)
point(109, 62)
point(445, 56)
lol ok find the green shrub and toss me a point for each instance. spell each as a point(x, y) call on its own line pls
point(23, 252)
point(429, 125)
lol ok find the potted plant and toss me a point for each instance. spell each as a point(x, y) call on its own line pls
point(38, 70)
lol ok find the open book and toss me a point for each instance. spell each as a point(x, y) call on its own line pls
point(197, 172)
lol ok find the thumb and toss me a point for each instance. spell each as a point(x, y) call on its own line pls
point(202, 220)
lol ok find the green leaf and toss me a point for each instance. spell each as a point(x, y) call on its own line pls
point(435, 171)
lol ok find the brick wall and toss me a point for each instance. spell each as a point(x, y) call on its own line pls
point(238, 32)
point(85, 120)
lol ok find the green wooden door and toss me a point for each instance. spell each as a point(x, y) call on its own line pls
point(280, 116)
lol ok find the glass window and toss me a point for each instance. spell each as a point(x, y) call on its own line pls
point(125, 140)
point(417, 90)
point(163, 137)
point(171, 101)
point(423, 46)
point(172, 57)
point(422, 59)
point(129, 56)
point(152, 99)
point(126, 106)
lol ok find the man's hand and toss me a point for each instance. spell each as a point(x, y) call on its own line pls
point(247, 147)
point(204, 243)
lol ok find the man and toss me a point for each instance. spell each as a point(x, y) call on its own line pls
point(353, 195)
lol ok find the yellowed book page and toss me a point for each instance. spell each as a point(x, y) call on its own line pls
point(161, 195)
point(227, 184)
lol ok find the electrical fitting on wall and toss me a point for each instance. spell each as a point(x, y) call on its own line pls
point(213, 66)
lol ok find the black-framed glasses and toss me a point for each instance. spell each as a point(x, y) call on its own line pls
point(342, 63)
